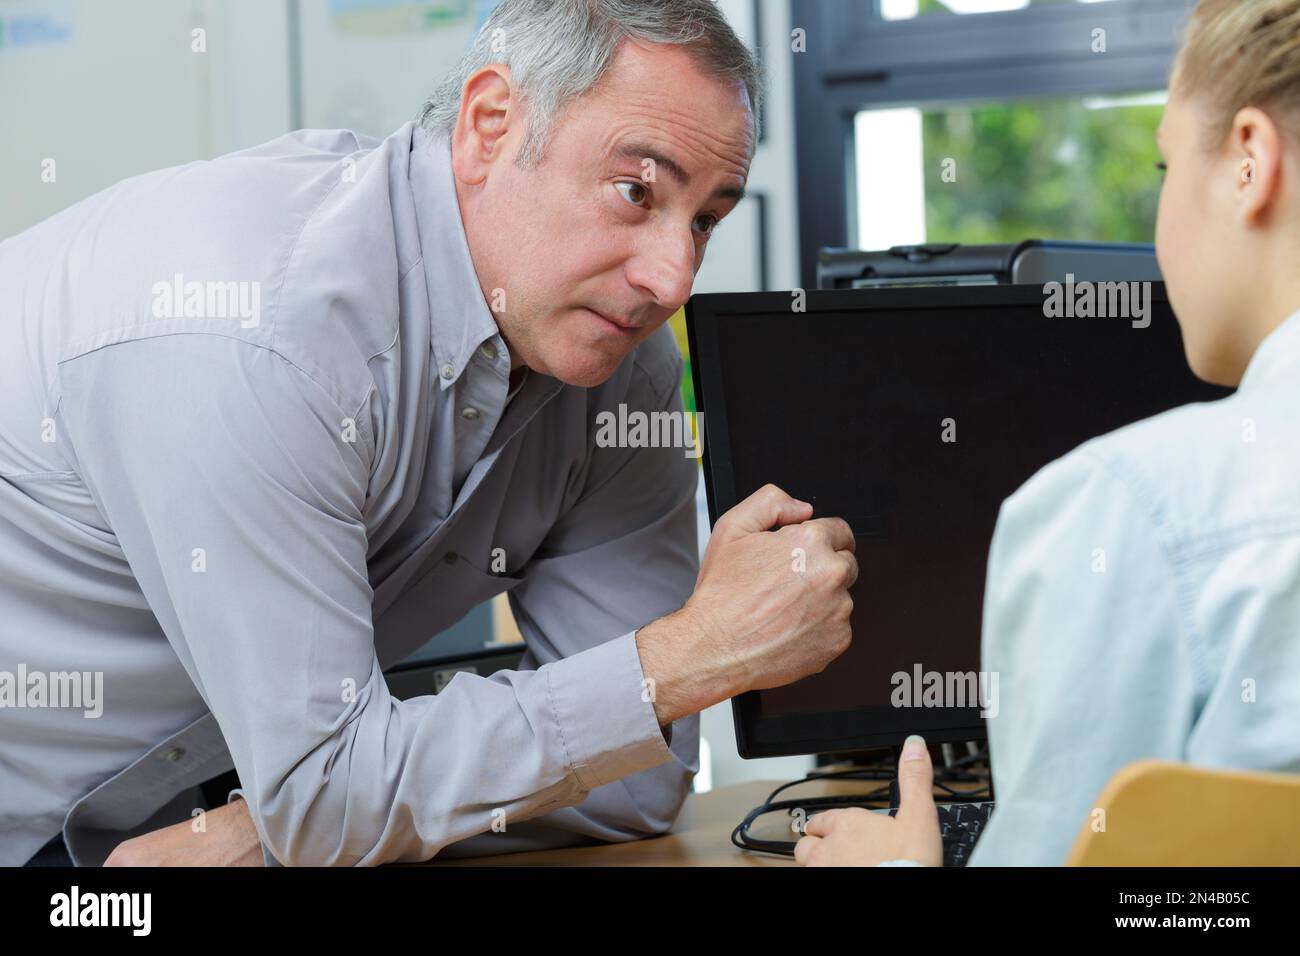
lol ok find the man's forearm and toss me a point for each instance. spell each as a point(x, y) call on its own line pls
point(227, 838)
point(674, 658)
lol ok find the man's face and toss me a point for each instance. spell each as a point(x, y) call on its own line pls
point(595, 247)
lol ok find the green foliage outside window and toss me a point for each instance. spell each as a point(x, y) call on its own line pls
point(1052, 169)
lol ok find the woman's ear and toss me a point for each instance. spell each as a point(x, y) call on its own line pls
point(489, 113)
point(1256, 143)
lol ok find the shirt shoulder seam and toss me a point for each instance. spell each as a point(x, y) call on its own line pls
point(325, 389)
point(293, 251)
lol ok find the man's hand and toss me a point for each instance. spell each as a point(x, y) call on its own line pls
point(228, 839)
point(770, 606)
point(858, 837)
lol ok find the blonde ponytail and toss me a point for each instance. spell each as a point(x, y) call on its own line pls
point(1241, 53)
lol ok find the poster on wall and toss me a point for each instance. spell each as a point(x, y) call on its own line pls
point(396, 17)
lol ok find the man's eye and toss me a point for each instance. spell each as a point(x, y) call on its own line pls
point(635, 193)
point(706, 224)
point(1163, 167)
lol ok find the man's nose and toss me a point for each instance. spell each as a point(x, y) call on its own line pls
point(665, 267)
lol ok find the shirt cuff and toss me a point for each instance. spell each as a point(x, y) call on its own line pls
point(605, 714)
point(267, 859)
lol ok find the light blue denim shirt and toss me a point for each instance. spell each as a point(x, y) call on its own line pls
point(239, 506)
point(1143, 600)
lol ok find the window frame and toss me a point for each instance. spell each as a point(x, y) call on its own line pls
point(856, 60)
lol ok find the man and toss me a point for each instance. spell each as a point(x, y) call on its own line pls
point(269, 422)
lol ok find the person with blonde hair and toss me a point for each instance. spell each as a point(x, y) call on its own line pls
point(1186, 647)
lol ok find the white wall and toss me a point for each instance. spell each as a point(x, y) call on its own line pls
point(726, 265)
point(115, 90)
point(254, 80)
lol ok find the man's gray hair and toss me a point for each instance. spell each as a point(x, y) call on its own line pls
point(557, 50)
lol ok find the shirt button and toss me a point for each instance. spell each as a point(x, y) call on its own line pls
point(469, 414)
point(448, 371)
point(489, 351)
point(175, 754)
point(451, 557)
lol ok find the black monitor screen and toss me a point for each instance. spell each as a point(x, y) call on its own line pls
point(912, 414)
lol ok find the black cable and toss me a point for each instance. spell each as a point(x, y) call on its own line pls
point(740, 835)
point(881, 770)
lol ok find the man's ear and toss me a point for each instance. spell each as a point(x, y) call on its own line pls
point(489, 115)
point(1256, 144)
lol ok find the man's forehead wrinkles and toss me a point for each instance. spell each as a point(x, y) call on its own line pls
point(661, 119)
point(683, 149)
point(640, 150)
point(682, 124)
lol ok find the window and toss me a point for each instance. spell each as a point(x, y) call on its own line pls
point(1072, 168)
point(978, 121)
point(910, 9)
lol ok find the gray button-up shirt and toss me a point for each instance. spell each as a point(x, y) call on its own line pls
point(254, 448)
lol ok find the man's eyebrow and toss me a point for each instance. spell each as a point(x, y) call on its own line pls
point(640, 152)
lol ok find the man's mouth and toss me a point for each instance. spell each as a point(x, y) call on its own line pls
point(624, 325)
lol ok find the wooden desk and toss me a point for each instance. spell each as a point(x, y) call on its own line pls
point(701, 837)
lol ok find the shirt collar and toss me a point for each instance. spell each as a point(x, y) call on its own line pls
point(459, 318)
point(1278, 352)
point(523, 380)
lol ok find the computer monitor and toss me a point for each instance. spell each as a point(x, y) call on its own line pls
point(912, 413)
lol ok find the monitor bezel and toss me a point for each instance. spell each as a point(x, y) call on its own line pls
point(827, 731)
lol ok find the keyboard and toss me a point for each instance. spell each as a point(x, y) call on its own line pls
point(960, 825)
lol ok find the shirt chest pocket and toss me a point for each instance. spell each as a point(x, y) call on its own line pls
point(438, 599)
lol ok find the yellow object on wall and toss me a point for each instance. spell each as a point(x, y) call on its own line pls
point(678, 324)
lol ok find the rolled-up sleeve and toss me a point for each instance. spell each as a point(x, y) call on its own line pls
point(223, 471)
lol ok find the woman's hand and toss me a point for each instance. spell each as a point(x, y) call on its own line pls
point(858, 837)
